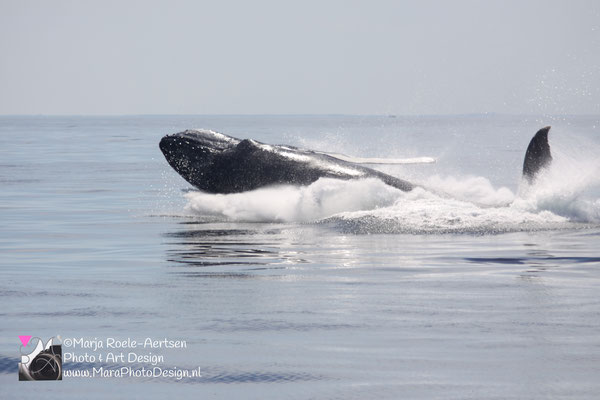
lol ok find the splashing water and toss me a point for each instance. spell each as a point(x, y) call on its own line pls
point(321, 199)
point(563, 197)
point(569, 188)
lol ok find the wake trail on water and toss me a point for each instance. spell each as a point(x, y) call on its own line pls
point(565, 196)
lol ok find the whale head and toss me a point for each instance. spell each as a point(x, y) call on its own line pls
point(190, 151)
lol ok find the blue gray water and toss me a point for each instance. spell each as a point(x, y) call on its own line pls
point(473, 286)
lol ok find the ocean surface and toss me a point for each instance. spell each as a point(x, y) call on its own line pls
point(472, 286)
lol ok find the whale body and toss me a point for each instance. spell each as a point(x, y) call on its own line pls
point(217, 163)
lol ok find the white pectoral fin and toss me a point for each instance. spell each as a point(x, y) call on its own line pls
point(375, 160)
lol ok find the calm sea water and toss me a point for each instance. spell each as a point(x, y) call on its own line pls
point(474, 286)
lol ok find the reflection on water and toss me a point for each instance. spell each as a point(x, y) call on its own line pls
point(392, 308)
point(533, 260)
point(202, 245)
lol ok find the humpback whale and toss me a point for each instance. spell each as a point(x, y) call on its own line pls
point(217, 163)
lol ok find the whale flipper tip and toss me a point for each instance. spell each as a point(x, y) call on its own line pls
point(538, 155)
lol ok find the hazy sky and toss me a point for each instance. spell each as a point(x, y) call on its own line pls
point(299, 57)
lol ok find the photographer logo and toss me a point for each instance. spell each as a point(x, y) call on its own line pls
point(40, 361)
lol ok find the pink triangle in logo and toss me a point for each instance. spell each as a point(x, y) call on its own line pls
point(25, 339)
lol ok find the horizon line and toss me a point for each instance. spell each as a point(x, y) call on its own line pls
point(387, 115)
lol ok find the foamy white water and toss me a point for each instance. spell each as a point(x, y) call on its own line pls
point(557, 200)
point(321, 199)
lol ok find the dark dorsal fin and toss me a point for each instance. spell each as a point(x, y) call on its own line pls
point(538, 155)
